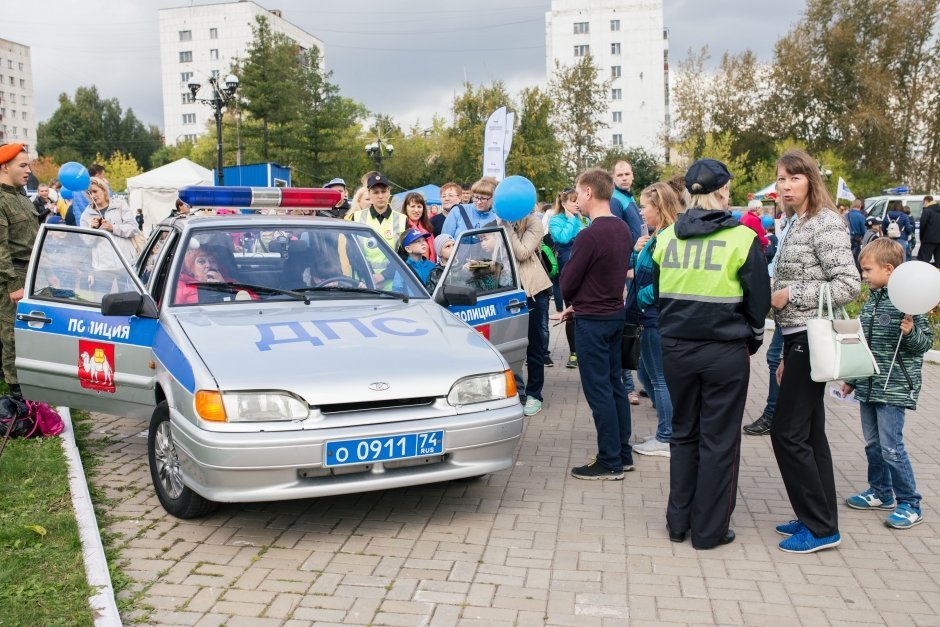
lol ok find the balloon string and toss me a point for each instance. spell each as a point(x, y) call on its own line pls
point(893, 359)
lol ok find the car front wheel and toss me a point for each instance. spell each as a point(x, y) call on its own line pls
point(165, 472)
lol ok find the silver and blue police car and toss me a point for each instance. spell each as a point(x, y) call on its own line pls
point(279, 356)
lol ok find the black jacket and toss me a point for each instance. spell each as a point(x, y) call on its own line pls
point(930, 224)
point(694, 282)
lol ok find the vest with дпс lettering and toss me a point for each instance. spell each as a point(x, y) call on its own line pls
point(699, 289)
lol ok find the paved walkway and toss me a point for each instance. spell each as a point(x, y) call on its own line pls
point(530, 545)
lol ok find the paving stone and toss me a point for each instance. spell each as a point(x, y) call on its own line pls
point(529, 545)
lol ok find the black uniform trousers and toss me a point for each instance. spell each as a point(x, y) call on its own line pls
point(799, 439)
point(707, 382)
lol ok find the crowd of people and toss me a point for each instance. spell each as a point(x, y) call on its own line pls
point(674, 259)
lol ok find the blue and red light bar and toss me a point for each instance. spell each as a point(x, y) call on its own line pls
point(247, 197)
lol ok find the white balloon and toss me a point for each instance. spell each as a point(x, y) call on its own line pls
point(914, 287)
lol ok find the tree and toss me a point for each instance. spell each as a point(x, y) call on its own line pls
point(89, 125)
point(856, 76)
point(118, 168)
point(536, 151)
point(268, 91)
point(45, 169)
point(580, 99)
point(327, 124)
point(464, 139)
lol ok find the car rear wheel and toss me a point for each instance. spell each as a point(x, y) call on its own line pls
point(165, 472)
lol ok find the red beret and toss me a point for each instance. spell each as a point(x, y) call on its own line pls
point(9, 151)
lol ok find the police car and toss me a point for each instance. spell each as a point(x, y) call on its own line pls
point(279, 356)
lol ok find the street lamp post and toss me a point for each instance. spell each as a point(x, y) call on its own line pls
point(376, 150)
point(221, 96)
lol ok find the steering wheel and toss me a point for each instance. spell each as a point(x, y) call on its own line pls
point(342, 280)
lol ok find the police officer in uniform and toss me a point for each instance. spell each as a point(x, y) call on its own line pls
point(710, 276)
point(387, 224)
point(18, 228)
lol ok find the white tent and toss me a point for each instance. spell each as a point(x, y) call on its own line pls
point(156, 191)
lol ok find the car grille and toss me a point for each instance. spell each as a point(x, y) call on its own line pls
point(396, 403)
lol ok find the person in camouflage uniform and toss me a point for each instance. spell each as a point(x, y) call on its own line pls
point(18, 228)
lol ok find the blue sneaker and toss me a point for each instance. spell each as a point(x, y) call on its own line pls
point(805, 542)
point(904, 517)
point(868, 500)
point(790, 528)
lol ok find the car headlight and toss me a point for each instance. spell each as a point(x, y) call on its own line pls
point(483, 388)
point(250, 406)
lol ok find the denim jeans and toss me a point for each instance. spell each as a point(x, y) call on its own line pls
point(653, 379)
point(774, 356)
point(535, 352)
point(562, 257)
point(599, 366)
point(889, 469)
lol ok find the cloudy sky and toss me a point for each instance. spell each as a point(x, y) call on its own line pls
point(406, 58)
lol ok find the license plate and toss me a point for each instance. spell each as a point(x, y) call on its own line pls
point(366, 450)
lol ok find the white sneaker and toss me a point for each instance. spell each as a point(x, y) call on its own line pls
point(653, 447)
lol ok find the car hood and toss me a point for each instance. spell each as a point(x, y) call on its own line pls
point(339, 353)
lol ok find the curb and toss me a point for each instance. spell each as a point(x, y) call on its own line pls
point(930, 356)
point(96, 565)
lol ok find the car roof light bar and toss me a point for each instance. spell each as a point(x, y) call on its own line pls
point(259, 197)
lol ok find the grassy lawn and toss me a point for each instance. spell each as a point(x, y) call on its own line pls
point(42, 575)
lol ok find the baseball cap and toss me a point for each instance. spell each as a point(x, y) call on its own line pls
point(706, 176)
point(336, 181)
point(377, 179)
point(870, 220)
point(412, 236)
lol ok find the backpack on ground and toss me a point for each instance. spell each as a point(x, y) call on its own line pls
point(894, 229)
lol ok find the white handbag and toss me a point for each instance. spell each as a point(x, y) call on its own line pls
point(837, 348)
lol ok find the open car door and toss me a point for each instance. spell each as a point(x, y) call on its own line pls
point(482, 262)
point(68, 352)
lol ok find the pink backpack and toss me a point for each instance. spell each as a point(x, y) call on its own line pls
point(48, 420)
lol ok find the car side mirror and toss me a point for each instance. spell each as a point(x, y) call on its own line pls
point(129, 304)
point(456, 295)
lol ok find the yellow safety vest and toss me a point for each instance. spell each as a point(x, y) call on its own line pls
point(704, 268)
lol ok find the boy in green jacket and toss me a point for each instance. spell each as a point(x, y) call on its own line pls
point(883, 400)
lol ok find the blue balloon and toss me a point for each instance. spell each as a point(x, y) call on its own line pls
point(66, 193)
point(736, 215)
point(767, 220)
point(514, 198)
point(74, 176)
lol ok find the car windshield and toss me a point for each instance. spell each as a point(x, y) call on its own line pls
point(290, 262)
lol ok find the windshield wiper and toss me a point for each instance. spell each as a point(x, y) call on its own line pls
point(362, 290)
point(226, 286)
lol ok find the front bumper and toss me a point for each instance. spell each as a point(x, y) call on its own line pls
point(282, 465)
